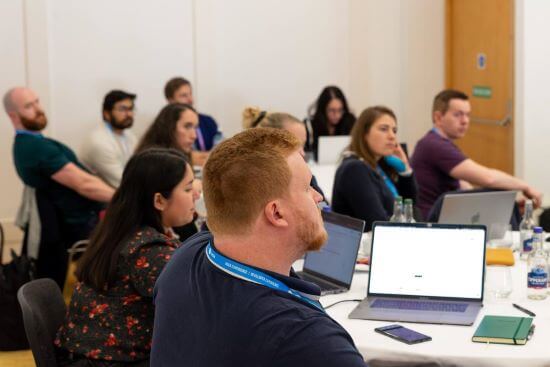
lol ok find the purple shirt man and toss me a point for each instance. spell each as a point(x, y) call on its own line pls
point(433, 159)
point(440, 166)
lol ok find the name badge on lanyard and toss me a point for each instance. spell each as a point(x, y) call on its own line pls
point(249, 274)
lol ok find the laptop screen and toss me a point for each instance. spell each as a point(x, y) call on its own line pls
point(336, 260)
point(427, 260)
point(331, 148)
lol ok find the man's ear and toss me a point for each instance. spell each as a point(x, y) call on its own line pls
point(13, 116)
point(106, 116)
point(159, 202)
point(275, 214)
point(437, 115)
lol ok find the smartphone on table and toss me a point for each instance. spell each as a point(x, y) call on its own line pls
point(403, 334)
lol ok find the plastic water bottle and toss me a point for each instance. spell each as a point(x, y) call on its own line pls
point(526, 231)
point(537, 268)
point(409, 213)
point(398, 210)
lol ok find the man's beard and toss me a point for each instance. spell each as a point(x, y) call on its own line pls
point(123, 124)
point(311, 233)
point(36, 124)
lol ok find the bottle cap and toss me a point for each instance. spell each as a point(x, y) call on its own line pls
point(326, 208)
point(537, 229)
point(408, 201)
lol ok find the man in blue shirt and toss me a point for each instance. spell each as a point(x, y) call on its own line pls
point(231, 298)
point(179, 90)
point(53, 170)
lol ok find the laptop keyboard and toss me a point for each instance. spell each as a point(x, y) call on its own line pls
point(325, 286)
point(419, 305)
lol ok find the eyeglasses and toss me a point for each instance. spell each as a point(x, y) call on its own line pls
point(336, 111)
point(125, 109)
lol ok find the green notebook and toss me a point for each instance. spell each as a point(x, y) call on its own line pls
point(503, 330)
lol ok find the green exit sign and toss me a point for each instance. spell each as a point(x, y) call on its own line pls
point(482, 91)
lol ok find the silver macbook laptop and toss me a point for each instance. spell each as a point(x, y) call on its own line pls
point(492, 209)
point(427, 273)
point(331, 148)
point(333, 266)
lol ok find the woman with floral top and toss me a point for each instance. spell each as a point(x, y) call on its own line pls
point(110, 317)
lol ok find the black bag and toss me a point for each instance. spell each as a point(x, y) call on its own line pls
point(544, 219)
point(12, 276)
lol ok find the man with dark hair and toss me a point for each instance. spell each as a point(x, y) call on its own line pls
point(179, 90)
point(231, 298)
point(440, 166)
point(107, 148)
point(53, 170)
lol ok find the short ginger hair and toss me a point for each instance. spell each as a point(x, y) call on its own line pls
point(242, 174)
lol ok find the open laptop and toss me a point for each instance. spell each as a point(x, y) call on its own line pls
point(333, 266)
point(427, 273)
point(492, 209)
point(331, 148)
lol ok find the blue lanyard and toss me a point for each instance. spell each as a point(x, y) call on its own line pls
point(249, 274)
point(27, 132)
point(387, 181)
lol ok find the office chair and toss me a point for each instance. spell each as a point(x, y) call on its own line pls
point(43, 313)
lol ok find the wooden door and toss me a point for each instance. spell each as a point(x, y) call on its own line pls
point(479, 62)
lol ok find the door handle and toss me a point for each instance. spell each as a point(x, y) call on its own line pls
point(502, 122)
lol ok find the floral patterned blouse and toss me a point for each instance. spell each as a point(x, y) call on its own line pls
point(118, 325)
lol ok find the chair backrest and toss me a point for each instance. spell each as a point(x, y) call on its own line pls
point(43, 313)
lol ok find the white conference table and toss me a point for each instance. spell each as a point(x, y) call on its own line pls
point(451, 345)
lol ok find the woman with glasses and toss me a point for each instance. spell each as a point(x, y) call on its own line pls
point(328, 116)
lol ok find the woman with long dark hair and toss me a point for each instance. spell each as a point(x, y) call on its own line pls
point(330, 115)
point(174, 127)
point(375, 169)
point(110, 316)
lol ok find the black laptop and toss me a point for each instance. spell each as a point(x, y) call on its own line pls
point(333, 266)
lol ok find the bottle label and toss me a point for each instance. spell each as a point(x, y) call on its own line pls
point(528, 244)
point(537, 278)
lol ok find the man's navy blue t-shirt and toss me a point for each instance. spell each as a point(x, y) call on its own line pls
point(206, 317)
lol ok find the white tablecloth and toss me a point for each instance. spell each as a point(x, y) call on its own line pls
point(451, 345)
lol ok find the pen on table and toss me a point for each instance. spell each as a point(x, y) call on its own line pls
point(530, 313)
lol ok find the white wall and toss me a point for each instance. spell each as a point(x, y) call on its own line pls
point(422, 65)
point(532, 112)
point(96, 46)
point(398, 59)
point(376, 54)
point(274, 54)
point(12, 66)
